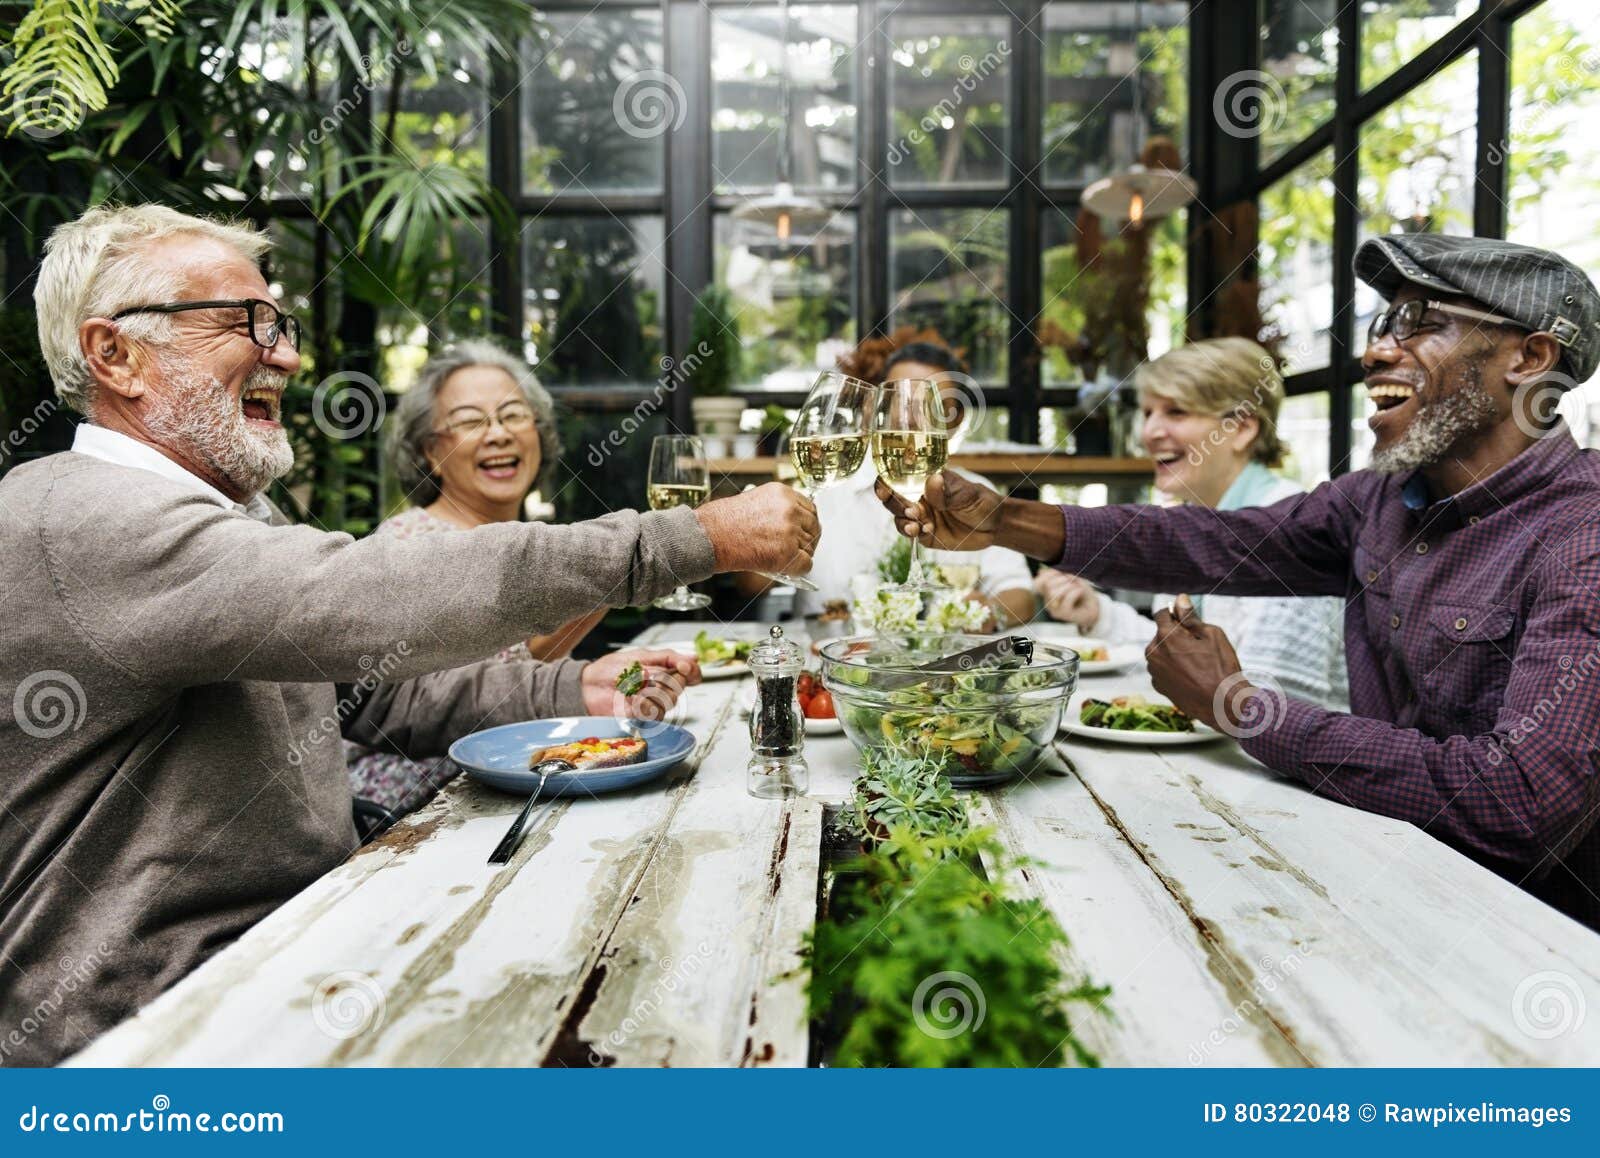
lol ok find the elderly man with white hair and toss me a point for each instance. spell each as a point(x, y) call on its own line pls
point(171, 770)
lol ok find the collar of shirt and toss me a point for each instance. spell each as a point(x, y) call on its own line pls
point(1529, 471)
point(113, 446)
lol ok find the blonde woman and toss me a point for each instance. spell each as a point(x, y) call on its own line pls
point(1211, 425)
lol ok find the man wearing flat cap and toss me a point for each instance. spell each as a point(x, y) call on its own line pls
point(1468, 557)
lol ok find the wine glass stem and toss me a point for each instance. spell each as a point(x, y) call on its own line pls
point(914, 575)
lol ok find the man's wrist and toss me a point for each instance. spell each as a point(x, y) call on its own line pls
point(1032, 528)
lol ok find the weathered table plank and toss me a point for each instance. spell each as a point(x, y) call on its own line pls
point(1332, 936)
point(417, 951)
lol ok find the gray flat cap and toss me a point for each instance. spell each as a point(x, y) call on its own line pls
point(1540, 289)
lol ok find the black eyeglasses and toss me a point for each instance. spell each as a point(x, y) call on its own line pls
point(1405, 319)
point(267, 322)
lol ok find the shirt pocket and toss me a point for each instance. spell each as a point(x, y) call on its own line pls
point(1466, 662)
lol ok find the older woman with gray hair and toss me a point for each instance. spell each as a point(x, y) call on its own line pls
point(469, 440)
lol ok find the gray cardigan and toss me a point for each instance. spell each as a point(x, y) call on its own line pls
point(170, 760)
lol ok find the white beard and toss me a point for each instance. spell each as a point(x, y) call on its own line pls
point(199, 414)
point(1436, 430)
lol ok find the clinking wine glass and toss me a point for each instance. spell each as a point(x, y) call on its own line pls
point(679, 477)
point(910, 442)
point(829, 439)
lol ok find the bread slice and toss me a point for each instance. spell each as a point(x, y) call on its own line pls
point(593, 752)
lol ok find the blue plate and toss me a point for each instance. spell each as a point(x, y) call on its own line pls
point(499, 756)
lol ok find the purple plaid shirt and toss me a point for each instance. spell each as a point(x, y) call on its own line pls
point(1472, 627)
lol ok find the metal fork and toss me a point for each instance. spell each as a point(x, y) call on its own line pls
point(508, 843)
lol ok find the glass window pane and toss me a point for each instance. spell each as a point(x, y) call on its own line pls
point(449, 300)
point(1080, 324)
point(1090, 53)
point(947, 270)
point(947, 99)
point(443, 119)
point(1394, 31)
point(795, 305)
point(1299, 57)
point(1303, 427)
point(596, 104)
point(747, 68)
point(1296, 264)
point(1554, 161)
point(592, 299)
point(1418, 165)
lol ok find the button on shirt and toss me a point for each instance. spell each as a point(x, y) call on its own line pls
point(1474, 663)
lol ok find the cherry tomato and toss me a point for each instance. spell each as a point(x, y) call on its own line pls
point(819, 706)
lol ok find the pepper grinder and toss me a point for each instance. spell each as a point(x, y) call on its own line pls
point(777, 733)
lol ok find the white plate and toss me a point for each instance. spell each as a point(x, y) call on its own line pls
point(1123, 655)
point(1071, 724)
point(720, 671)
point(823, 727)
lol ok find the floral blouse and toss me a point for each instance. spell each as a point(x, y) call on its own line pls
point(388, 780)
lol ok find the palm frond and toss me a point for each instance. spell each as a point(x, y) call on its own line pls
point(60, 68)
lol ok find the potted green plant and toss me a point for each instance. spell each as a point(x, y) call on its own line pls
point(775, 423)
point(712, 366)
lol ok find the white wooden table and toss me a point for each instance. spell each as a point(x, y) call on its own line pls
point(1239, 920)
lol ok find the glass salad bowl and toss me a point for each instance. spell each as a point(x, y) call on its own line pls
point(988, 724)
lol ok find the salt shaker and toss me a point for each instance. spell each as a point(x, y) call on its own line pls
point(777, 732)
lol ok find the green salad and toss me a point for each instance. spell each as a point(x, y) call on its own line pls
point(1134, 714)
point(709, 649)
point(979, 723)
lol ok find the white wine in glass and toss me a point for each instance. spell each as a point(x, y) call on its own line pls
point(679, 477)
point(828, 441)
point(910, 444)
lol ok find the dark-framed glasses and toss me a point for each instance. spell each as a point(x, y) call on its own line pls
point(267, 322)
point(1405, 319)
point(470, 422)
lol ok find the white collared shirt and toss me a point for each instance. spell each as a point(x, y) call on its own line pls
point(857, 530)
point(113, 446)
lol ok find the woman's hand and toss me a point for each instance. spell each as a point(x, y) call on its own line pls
point(560, 642)
point(667, 674)
point(1068, 599)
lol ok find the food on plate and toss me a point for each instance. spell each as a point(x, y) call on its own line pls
point(593, 752)
point(834, 611)
point(1134, 714)
point(816, 702)
point(710, 650)
point(632, 680)
point(1092, 653)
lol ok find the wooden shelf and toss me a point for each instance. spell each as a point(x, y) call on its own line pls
point(1007, 467)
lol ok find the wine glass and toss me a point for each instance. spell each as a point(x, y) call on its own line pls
point(828, 441)
point(679, 477)
point(910, 443)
